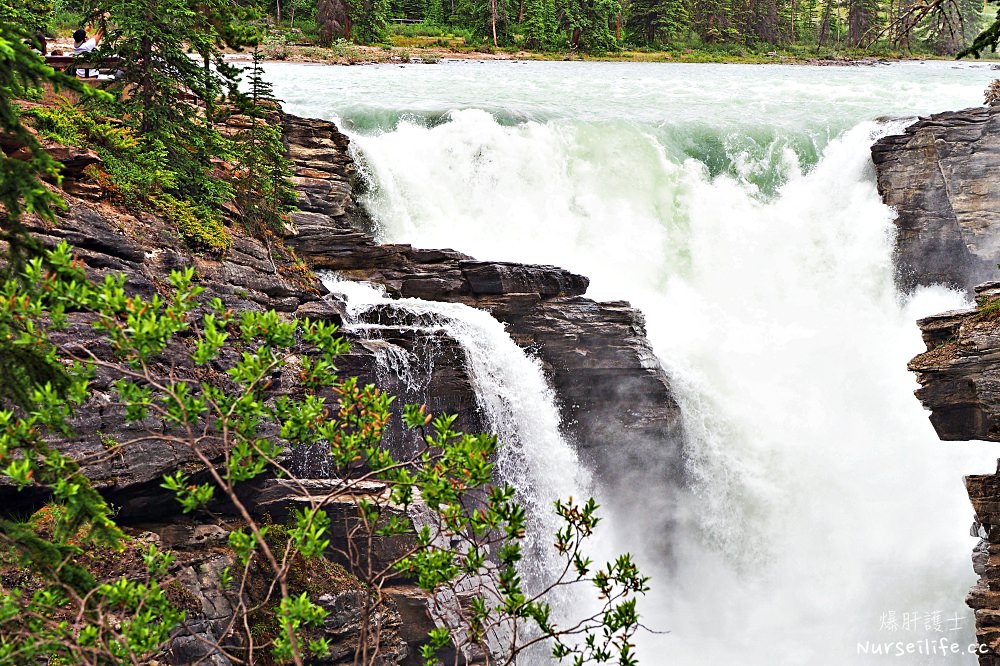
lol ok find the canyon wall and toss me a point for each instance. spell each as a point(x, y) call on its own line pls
point(940, 176)
point(614, 397)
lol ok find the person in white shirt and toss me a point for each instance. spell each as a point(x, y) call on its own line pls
point(81, 45)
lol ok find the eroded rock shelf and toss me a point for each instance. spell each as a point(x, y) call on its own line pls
point(939, 175)
point(612, 392)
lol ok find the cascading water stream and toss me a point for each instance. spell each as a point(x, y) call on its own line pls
point(518, 405)
point(819, 506)
point(778, 321)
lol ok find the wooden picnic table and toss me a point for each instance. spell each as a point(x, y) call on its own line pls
point(80, 61)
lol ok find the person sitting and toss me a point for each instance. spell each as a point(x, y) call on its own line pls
point(38, 44)
point(82, 44)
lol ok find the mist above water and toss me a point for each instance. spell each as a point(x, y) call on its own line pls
point(736, 206)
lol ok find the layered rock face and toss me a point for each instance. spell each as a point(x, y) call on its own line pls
point(939, 175)
point(251, 276)
point(959, 377)
point(614, 397)
point(960, 372)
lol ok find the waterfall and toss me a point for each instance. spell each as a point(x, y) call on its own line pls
point(775, 313)
point(736, 207)
point(516, 401)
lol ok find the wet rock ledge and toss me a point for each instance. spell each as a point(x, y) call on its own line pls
point(959, 377)
point(940, 175)
point(615, 398)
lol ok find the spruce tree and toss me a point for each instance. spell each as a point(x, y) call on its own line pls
point(588, 23)
point(657, 21)
point(263, 193)
point(170, 97)
point(433, 12)
point(369, 20)
point(538, 26)
point(31, 17)
point(24, 366)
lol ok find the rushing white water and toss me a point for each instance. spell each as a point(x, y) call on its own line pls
point(518, 405)
point(736, 207)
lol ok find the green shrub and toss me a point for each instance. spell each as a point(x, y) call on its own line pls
point(30, 15)
point(67, 17)
point(201, 228)
point(136, 174)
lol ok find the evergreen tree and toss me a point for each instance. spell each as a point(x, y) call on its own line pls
point(862, 18)
point(657, 21)
point(987, 39)
point(334, 19)
point(170, 98)
point(589, 23)
point(263, 193)
point(369, 20)
point(24, 366)
point(539, 24)
point(28, 16)
point(412, 10)
point(150, 35)
point(303, 9)
point(955, 26)
point(711, 19)
point(433, 13)
point(489, 19)
point(21, 189)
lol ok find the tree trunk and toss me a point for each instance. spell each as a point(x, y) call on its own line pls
point(146, 83)
point(824, 27)
point(858, 22)
point(769, 30)
point(209, 101)
point(493, 21)
point(277, 4)
point(520, 14)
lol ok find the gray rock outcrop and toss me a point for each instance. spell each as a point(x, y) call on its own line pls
point(959, 377)
point(940, 176)
point(614, 396)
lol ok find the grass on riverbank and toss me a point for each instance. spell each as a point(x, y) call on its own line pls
point(429, 44)
point(403, 49)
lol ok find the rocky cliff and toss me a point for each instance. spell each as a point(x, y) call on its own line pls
point(614, 396)
point(939, 175)
point(959, 377)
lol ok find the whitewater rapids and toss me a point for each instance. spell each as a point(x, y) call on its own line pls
point(820, 510)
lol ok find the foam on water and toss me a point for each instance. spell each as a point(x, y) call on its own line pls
point(818, 498)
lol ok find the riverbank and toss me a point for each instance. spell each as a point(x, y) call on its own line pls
point(403, 49)
point(408, 50)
